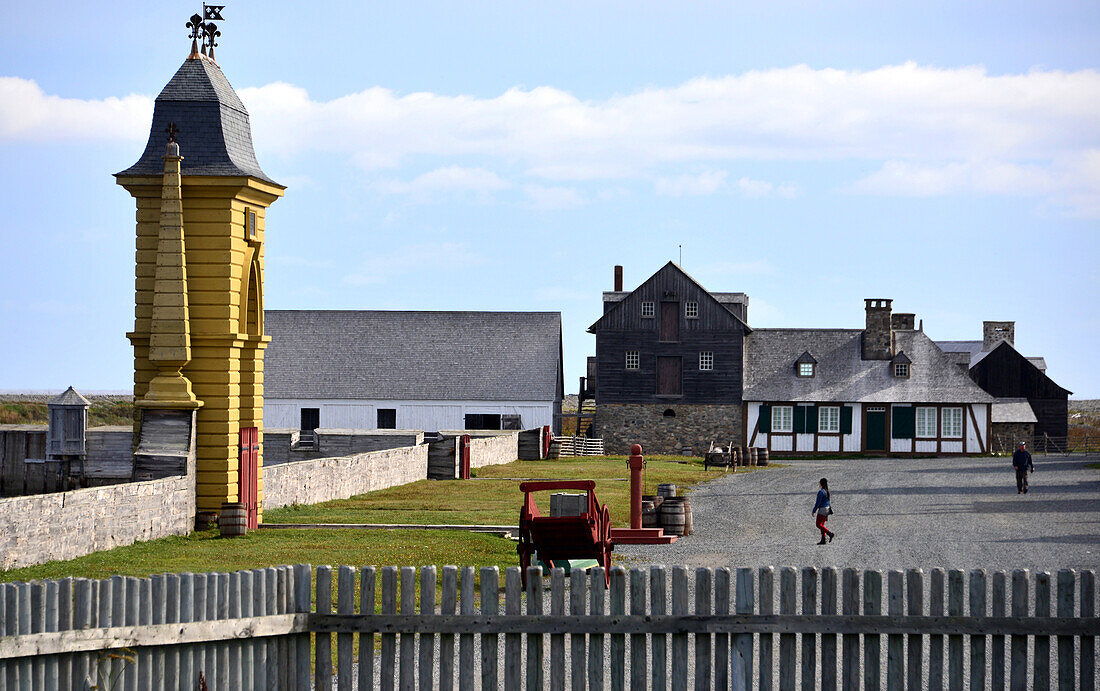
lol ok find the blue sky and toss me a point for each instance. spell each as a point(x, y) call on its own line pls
point(505, 155)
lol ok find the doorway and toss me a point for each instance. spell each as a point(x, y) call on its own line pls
point(875, 424)
point(669, 372)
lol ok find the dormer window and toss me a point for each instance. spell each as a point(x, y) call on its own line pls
point(805, 366)
point(648, 308)
point(691, 310)
point(902, 366)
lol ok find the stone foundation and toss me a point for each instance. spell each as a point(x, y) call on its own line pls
point(689, 430)
point(1006, 435)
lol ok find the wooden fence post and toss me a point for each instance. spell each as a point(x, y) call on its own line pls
point(1066, 678)
point(914, 584)
point(387, 668)
point(557, 640)
point(787, 653)
point(1040, 677)
point(426, 670)
point(936, 591)
point(617, 607)
point(366, 640)
point(345, 642)
point(259, 609)
point(1018, 644)
point(407, 641)
point(722, 640)
point(322, 647)
point(447, 606)
point(490, 601)
point(872, 643)
point(578, 594)
point(513, 642)
point(828, 640)
point(658, 675)
point(850, 642)
point(702, 640)
point(1088, 643)
point(679, 640)
point(597, 586)
point(638, 672)
point(895, 663)
point(977, 643)
point(955, 642)
point(303, 582)
point(809, 640)
point(741, 659)
point(767, 590)
point(535, 677)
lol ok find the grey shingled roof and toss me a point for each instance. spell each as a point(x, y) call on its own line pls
point(483, 356)
point(974, 350)
point(69, 397)
point(1012, 410)
point(842, 375)
point(215, 136)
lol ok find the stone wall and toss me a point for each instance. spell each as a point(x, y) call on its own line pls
point(689, 430)
point(336, 442)
point(66, 525)
point(324, 479)
point(1006, 435)
point(494, 449)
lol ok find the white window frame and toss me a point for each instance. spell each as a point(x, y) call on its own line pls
point(805, 369)
point(927, 422)
point(649, 309)
point(782, 418)
point(828, 419)
point(633, 360)
point(691, 310)
point(901, 370)
point(706, 360)
point(952, 423)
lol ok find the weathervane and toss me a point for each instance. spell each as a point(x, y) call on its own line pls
point(172, 131)
point(202, 26)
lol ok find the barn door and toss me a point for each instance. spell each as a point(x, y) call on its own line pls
point(668, 376)
point(249, 476)
point(670, 322)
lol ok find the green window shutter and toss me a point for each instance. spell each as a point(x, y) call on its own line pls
point(799, 419)
point(811, 419)
point(904, 422)
point(845, 419)
point(765, 423)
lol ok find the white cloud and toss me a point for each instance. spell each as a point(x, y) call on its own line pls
point(707, 182)
point(447, 181)
point(931, 129)
point(551, 197)
point(381, 267)
point(29, 114)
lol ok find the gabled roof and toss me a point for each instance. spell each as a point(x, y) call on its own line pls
point(806, 359)
point(901, 359)
point(215, 135)
point(842, 375)
point(1013, 410)
point(621, 298)
point(483, 356)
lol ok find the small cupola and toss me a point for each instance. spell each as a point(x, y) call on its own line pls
point(901, 365)
point(805, 366)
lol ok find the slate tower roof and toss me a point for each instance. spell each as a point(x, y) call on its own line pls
point(214, 131)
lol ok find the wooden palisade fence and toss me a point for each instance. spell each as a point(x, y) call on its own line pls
point(657, 628)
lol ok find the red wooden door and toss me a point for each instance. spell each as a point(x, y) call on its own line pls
point(248, 474)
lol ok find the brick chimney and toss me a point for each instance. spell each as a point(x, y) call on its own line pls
point(995, 332)
point(878, 337)
point(618, 279)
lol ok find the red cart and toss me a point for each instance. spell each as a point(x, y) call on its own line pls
point(587, 536)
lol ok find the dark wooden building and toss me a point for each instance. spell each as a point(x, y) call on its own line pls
point(1004, 373)
point(669, 365)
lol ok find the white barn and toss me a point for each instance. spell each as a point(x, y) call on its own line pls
point(426, 371)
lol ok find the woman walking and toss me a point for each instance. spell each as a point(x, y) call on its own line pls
point(822, 509)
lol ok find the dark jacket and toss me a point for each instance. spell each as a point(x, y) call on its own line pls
point(1021, 460)
point(822, 500)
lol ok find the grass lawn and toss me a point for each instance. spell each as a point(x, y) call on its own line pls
point(493, 498)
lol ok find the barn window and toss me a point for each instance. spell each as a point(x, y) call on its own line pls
point(953, 422)
point(926, 422)
point(901, 370)
point(387, 418)
point(805, 369)
point(648, 308)
point(691, 310)
point(670, 413)
point(782, 418)
point(706, 360)
point(632, 359)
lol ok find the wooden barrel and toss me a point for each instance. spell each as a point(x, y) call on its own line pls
point(649, 514)
point(233, 520)
point(753, 457)
point(688, 529)
point(666, 490)
point(671, 515)
point(653, 498)
point(762, 457)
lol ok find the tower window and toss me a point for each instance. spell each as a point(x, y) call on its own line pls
point(632, 359)
point(249, 224)
point(648, 308)
point(691, 310)
point(706, 360)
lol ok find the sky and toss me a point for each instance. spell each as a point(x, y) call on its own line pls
point(506, 155)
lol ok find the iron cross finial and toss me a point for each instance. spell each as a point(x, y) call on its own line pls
point(172, 131)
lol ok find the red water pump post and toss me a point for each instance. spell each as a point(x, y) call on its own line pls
point(636, 463)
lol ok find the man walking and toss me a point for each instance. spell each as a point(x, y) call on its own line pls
point(1021, 461)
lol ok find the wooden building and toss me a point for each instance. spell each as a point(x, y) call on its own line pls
point(996, 366)
point(426, 371)
point(668, 365)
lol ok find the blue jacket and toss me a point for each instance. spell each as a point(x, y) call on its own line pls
point(822, 500)
point(1021, 460)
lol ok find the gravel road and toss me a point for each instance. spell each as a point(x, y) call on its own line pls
point(896, 513)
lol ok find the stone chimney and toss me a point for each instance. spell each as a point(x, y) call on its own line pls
point(878, 337)
point(618, 279)
point(903, 321)
point(995, 332)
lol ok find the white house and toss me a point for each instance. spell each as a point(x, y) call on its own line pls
point(412, 370)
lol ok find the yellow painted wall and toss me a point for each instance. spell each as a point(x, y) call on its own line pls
point(226, 368)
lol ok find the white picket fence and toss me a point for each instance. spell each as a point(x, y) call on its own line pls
point(655, 628)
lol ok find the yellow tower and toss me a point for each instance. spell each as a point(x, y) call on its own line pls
point(225, 196)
